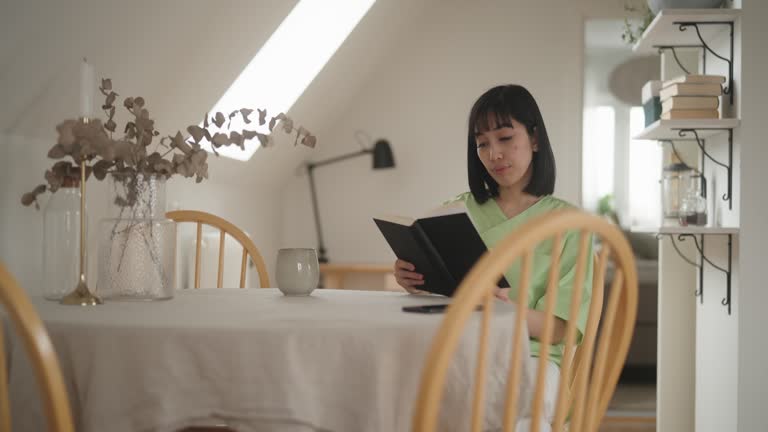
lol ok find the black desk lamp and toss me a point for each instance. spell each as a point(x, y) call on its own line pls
point(382, 158)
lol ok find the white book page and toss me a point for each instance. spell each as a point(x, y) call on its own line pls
point(455, 207)
point(447, 209)
point(444, 210)
point(400, 220)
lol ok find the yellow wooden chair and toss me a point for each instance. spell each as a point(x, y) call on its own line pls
point(588, 376)
point(225, 227)
point(35, 341)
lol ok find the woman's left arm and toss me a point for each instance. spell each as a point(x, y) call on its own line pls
point(536, 314)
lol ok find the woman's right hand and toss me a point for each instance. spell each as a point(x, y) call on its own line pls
point(406, 277)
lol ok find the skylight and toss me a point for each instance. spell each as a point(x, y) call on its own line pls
point(289, 61)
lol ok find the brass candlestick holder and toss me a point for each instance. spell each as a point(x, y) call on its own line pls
point(81, 295)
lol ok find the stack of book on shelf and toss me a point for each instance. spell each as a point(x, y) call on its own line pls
point(691, 97)
point(651, 102)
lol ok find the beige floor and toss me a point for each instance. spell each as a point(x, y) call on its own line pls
point(631, 426)
point(633, 409)
point(637, 399)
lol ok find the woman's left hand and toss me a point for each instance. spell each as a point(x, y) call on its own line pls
point(502, 294)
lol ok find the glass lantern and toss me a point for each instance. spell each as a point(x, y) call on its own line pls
point(61, 241)
point(693, 209)
point(676, 181)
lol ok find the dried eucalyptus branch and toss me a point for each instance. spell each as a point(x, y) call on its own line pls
point(93, 142)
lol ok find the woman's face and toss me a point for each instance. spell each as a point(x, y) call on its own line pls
point(506, 151)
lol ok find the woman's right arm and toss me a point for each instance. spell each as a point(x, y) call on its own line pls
point(406, 277)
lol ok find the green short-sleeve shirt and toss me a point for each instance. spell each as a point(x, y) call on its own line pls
point(494, 225)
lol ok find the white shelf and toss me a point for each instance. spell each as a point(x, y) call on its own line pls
point(670, 129)
point(663, 31)
point(685, 230)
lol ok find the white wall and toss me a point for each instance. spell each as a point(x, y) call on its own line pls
point(409, 72)
point(181, 75)
point(249, 206)
point(698, 339)
point(4, 201)
point(676, 385)
point(676, 340)
point(731, 350)
point(717, 337)
point(24, 164)
point(420, 98)
point(753, 295)
point(731, 374)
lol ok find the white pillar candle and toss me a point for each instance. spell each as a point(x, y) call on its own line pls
point(87, 85)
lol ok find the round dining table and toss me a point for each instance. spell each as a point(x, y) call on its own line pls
point(256, 360)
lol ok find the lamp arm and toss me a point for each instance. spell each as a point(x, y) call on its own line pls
point(312, 165)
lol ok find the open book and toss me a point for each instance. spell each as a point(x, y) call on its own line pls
point(443, 246)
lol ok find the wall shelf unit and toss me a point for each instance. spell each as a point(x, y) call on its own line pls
point(682, 233)
point(664, 30)
point(662, 130)
point(694, 28)
point(695, 230)
point(705, 41)
point(690, 28)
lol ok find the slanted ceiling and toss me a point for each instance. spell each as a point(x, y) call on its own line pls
point(181, 56)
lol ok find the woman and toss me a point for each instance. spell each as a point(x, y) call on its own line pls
point(511, 170)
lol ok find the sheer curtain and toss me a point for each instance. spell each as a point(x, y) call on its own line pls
point(637, 186)
point(644, 174)
point(598, 157)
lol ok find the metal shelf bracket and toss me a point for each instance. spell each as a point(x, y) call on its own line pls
point(699, 243)
point(683, 133)
point(684, 25)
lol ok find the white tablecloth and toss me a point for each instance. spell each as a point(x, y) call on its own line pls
point(256, 360)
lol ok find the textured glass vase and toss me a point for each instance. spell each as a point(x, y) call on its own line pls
point(61, 241)
point(137, 244)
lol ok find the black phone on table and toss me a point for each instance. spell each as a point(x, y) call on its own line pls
point(430, 309)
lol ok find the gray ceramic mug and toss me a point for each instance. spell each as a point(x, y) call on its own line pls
point(298, 271)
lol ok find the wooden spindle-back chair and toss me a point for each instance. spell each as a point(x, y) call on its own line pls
point(588, 374)
point(36, 343)
point(225, 227)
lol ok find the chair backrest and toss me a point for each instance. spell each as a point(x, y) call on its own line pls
point(583, 394)
point(581, 365)
point(27, 324)
point(225, 227)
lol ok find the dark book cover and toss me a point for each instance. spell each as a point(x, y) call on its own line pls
point(443, 248)
point(409, 243)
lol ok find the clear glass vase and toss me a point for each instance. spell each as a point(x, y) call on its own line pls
point(137, 243)
point(61, 241)
point(693, 210)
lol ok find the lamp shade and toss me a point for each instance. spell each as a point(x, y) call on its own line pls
point(382, 155)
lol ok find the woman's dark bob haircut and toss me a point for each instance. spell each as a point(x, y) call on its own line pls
point(496, 107)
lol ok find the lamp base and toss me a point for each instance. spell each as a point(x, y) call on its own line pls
point(322, 258)
point(81, 296)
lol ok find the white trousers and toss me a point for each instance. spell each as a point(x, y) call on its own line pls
point(551, 383)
